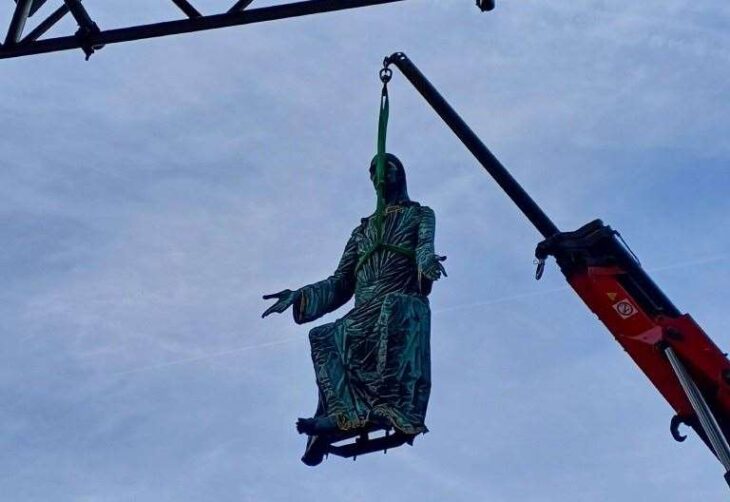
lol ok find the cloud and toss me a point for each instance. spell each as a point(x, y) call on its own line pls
point(150, 196)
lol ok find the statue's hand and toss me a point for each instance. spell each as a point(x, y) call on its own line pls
point(284, 300)
point(433, 269)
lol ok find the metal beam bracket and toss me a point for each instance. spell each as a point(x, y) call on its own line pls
point(86, 34)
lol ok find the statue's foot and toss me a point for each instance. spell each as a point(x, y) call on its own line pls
point(315, 452)
point(317, 425)
point(305, 425)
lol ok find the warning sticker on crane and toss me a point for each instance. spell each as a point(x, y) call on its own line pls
point(625, 309)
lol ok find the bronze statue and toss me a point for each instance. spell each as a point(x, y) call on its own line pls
point(373, 365)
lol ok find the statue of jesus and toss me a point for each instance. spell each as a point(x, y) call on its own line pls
point(373, 365)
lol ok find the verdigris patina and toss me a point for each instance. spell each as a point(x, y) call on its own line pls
point(373, 365)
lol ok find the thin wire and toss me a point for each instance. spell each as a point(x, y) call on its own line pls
point(213, 355)
point(520, 296)
point(494, 301)
point(504, 299)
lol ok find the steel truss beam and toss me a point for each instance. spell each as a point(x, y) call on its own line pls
point(89, 37)
point(187, 8)
point(17, 23)
point(37, 4)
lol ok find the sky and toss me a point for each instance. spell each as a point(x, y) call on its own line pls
point(150, 196)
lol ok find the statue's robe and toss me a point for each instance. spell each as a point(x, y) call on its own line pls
point(373, 364)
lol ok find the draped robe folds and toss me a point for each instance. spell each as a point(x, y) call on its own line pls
point(373, 364)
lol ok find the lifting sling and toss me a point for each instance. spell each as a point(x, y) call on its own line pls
point(380, 166)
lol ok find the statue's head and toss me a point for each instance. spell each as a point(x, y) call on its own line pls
point(396, 188)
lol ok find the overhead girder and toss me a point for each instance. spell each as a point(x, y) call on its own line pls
point(89, 37)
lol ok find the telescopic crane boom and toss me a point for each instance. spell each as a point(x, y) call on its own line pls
point(682, 362)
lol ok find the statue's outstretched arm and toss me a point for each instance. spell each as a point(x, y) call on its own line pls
point(315, 300)
point(429, 263)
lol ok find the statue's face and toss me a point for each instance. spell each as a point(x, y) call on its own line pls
point(392, 176)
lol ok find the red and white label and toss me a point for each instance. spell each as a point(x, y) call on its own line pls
point(625, 309)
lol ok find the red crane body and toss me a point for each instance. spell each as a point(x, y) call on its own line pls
point(611, 282)
point(641, 336)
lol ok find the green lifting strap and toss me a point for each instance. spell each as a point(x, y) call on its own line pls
point(380, 164)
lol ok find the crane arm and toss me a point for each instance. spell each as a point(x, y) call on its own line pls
point(672, 350)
